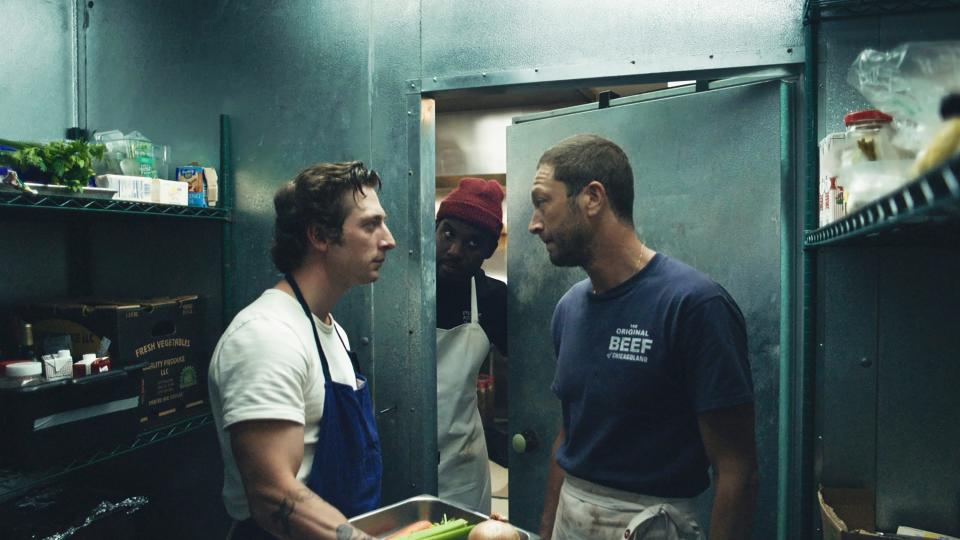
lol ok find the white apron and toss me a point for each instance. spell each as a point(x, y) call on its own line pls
point(463, 474)
point(589, 511)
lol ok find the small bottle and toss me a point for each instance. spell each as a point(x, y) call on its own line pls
point(27, 350)
point(830, 202)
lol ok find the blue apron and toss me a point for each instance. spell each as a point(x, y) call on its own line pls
point(347, 465)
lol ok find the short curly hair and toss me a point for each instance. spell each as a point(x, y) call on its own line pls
point(316, 196)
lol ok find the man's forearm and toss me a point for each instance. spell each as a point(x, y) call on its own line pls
point(551, 497)
point(299, 513)
point(733, 502)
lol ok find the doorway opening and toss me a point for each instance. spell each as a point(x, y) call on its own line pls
point(471, 141)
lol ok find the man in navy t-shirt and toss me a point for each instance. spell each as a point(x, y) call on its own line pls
point(652, 369)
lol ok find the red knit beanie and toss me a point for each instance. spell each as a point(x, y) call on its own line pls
point(477, 201)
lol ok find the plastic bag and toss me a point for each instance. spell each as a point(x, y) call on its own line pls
point(908, 83)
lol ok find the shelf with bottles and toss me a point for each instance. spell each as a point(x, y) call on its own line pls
point(929, 201)
point(821, 10)
point(15, 481)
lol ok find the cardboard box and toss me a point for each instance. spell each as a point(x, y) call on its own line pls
point(847, 514)
point(169, 192)
point(129, 188)
point(173, 384)
point(164, 333)
point(129, 324)
point(210, 177)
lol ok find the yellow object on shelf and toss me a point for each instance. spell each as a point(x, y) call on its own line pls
point(945, 143)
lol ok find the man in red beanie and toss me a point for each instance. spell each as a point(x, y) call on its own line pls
point(471, 313)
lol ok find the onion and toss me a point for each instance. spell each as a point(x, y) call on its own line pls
point(492, 529)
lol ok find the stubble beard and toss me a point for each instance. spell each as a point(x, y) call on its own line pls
point(572, 248)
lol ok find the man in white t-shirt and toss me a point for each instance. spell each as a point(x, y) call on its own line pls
point(293, 414)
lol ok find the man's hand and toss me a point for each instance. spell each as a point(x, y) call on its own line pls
point(268, 454)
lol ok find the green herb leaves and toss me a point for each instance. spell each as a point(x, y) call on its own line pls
point(68, 163)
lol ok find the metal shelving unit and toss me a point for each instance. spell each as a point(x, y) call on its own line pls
point(820, 10)
point(14, 483)
point(16, 199)
point(17, 482)
point(930, 200)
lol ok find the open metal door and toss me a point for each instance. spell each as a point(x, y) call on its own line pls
point(707, 168)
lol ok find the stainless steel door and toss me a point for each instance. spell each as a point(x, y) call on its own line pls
point(707, 168)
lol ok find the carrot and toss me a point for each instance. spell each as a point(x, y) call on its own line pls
point(410, 529)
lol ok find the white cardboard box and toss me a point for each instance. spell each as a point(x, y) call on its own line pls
point(129, 188)
point(170, 192)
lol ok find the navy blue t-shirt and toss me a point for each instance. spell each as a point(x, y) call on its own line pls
point(635, 366)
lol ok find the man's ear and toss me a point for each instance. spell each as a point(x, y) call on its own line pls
point(316, 238)
point(594, 197)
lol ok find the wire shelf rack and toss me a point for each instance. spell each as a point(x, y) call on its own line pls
point(930, 200)
point(17, 199)
point(14, 483)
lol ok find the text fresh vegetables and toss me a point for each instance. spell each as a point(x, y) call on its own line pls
point(493, 530)
point(454, 529)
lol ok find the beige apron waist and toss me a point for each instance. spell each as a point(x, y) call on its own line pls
point(607, 496)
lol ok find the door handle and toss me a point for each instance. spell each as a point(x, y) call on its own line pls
point(525, 442)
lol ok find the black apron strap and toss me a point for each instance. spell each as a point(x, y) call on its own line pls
point(313, 325)
point(351, 354)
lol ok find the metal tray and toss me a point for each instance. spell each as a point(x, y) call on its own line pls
point(63, 191)
point(389, 519)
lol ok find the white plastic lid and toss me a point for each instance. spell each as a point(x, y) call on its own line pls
point(24, 369)
point(89, 357)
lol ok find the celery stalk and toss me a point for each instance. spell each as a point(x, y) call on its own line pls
point(457, 534)
point(433, 533)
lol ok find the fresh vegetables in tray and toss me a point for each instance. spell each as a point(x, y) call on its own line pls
point(457, 529)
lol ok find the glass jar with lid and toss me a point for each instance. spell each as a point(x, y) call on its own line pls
point(869, 137)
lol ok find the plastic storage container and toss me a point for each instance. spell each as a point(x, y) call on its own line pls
point(129, 154)
point(20, 374)
point(44, 424)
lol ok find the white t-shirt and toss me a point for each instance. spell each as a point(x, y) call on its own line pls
point(266, 367)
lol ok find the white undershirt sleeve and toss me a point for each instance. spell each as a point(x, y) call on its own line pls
point(263, 373)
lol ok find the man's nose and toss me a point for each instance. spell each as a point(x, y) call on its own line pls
point(388, 242)
point(535, 226)
point(454, 249)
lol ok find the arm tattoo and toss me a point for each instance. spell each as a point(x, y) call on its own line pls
point(347, 532)
point(281, 517)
